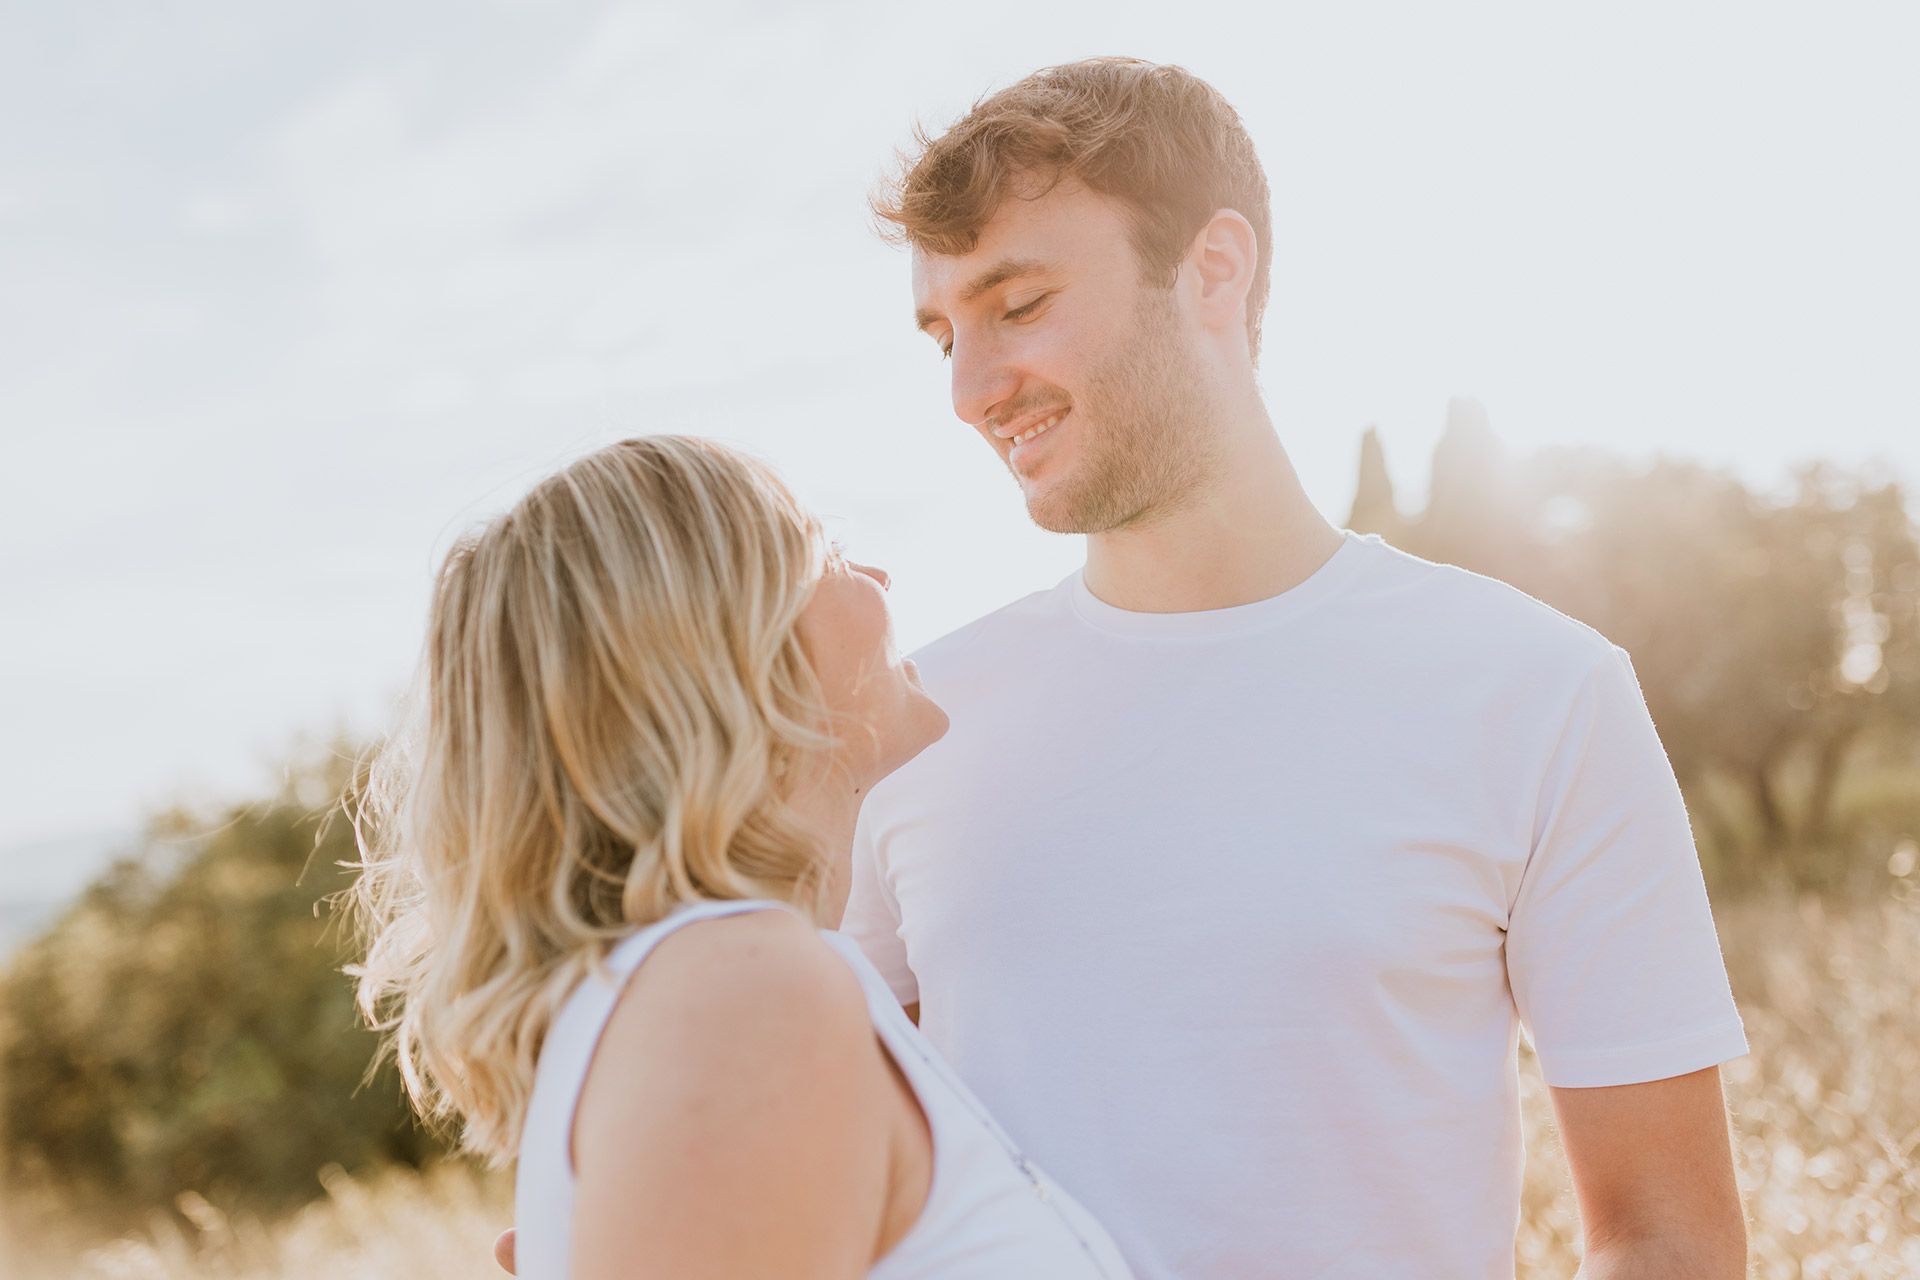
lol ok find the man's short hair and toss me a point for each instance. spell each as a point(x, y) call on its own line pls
point(1157, 138)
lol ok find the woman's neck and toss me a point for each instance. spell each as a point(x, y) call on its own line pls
point(826, 810)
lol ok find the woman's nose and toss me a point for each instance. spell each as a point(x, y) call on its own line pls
point(877, 574)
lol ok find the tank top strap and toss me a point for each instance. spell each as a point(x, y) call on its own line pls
point(627, 954)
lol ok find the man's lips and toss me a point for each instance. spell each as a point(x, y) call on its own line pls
point(1027, 424)
point(1030, 434)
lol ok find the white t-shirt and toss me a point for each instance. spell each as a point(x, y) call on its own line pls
point(1232, 918)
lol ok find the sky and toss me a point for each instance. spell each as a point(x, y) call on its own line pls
point(292, 294)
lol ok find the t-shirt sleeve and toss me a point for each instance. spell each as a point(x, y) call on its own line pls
point(1611, 950)
point(872, 917)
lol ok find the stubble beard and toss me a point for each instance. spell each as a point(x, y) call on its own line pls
point(1150, 453)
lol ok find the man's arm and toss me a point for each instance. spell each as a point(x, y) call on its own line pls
point(872, 919)
point(1653, 1172)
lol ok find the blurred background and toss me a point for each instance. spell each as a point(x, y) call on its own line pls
point(1618, 305)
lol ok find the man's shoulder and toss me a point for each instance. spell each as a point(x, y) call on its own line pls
point(1448, 608)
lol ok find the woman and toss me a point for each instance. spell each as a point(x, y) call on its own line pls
point(650, 702)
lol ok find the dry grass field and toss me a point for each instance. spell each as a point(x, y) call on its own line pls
point(1826, 1113)
point(1826, 1109)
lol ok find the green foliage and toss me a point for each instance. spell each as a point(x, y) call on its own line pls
point(186, 1025)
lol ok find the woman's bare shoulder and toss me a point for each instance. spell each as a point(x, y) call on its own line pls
point(718, 999)
point(757, 965)
point(739, 1067)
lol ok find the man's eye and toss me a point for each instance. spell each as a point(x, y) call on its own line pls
point(1021, 313)
point(946, 351)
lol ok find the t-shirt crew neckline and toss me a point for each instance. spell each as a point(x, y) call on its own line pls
point(1240, 619)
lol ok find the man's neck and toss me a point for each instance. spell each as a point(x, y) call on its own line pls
point(1249, 535)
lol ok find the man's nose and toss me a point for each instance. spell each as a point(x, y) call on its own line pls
point(982, 379)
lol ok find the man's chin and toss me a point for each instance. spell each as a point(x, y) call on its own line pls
point(1053, 516)
point(1059, 505)
point(1055, 524)
point(1058, 508)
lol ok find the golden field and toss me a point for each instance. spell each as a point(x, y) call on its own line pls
point(1826, 1114)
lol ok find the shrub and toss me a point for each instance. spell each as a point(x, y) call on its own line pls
point(185, 1025)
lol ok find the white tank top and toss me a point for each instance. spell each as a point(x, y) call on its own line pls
point(990, 1215)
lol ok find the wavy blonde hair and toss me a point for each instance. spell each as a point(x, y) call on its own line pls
point(609, 708)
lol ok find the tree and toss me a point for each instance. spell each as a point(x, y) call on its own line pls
point(186, 1024)
point(1771, 634)
point(1374, 510)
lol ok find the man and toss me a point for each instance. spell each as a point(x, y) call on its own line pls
point(1253, 844)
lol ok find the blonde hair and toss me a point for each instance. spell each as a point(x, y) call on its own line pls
point(611, 702)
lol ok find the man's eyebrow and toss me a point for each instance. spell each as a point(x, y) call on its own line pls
point(992, 278)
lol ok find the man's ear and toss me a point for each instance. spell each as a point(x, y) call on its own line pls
point(1224, 256)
